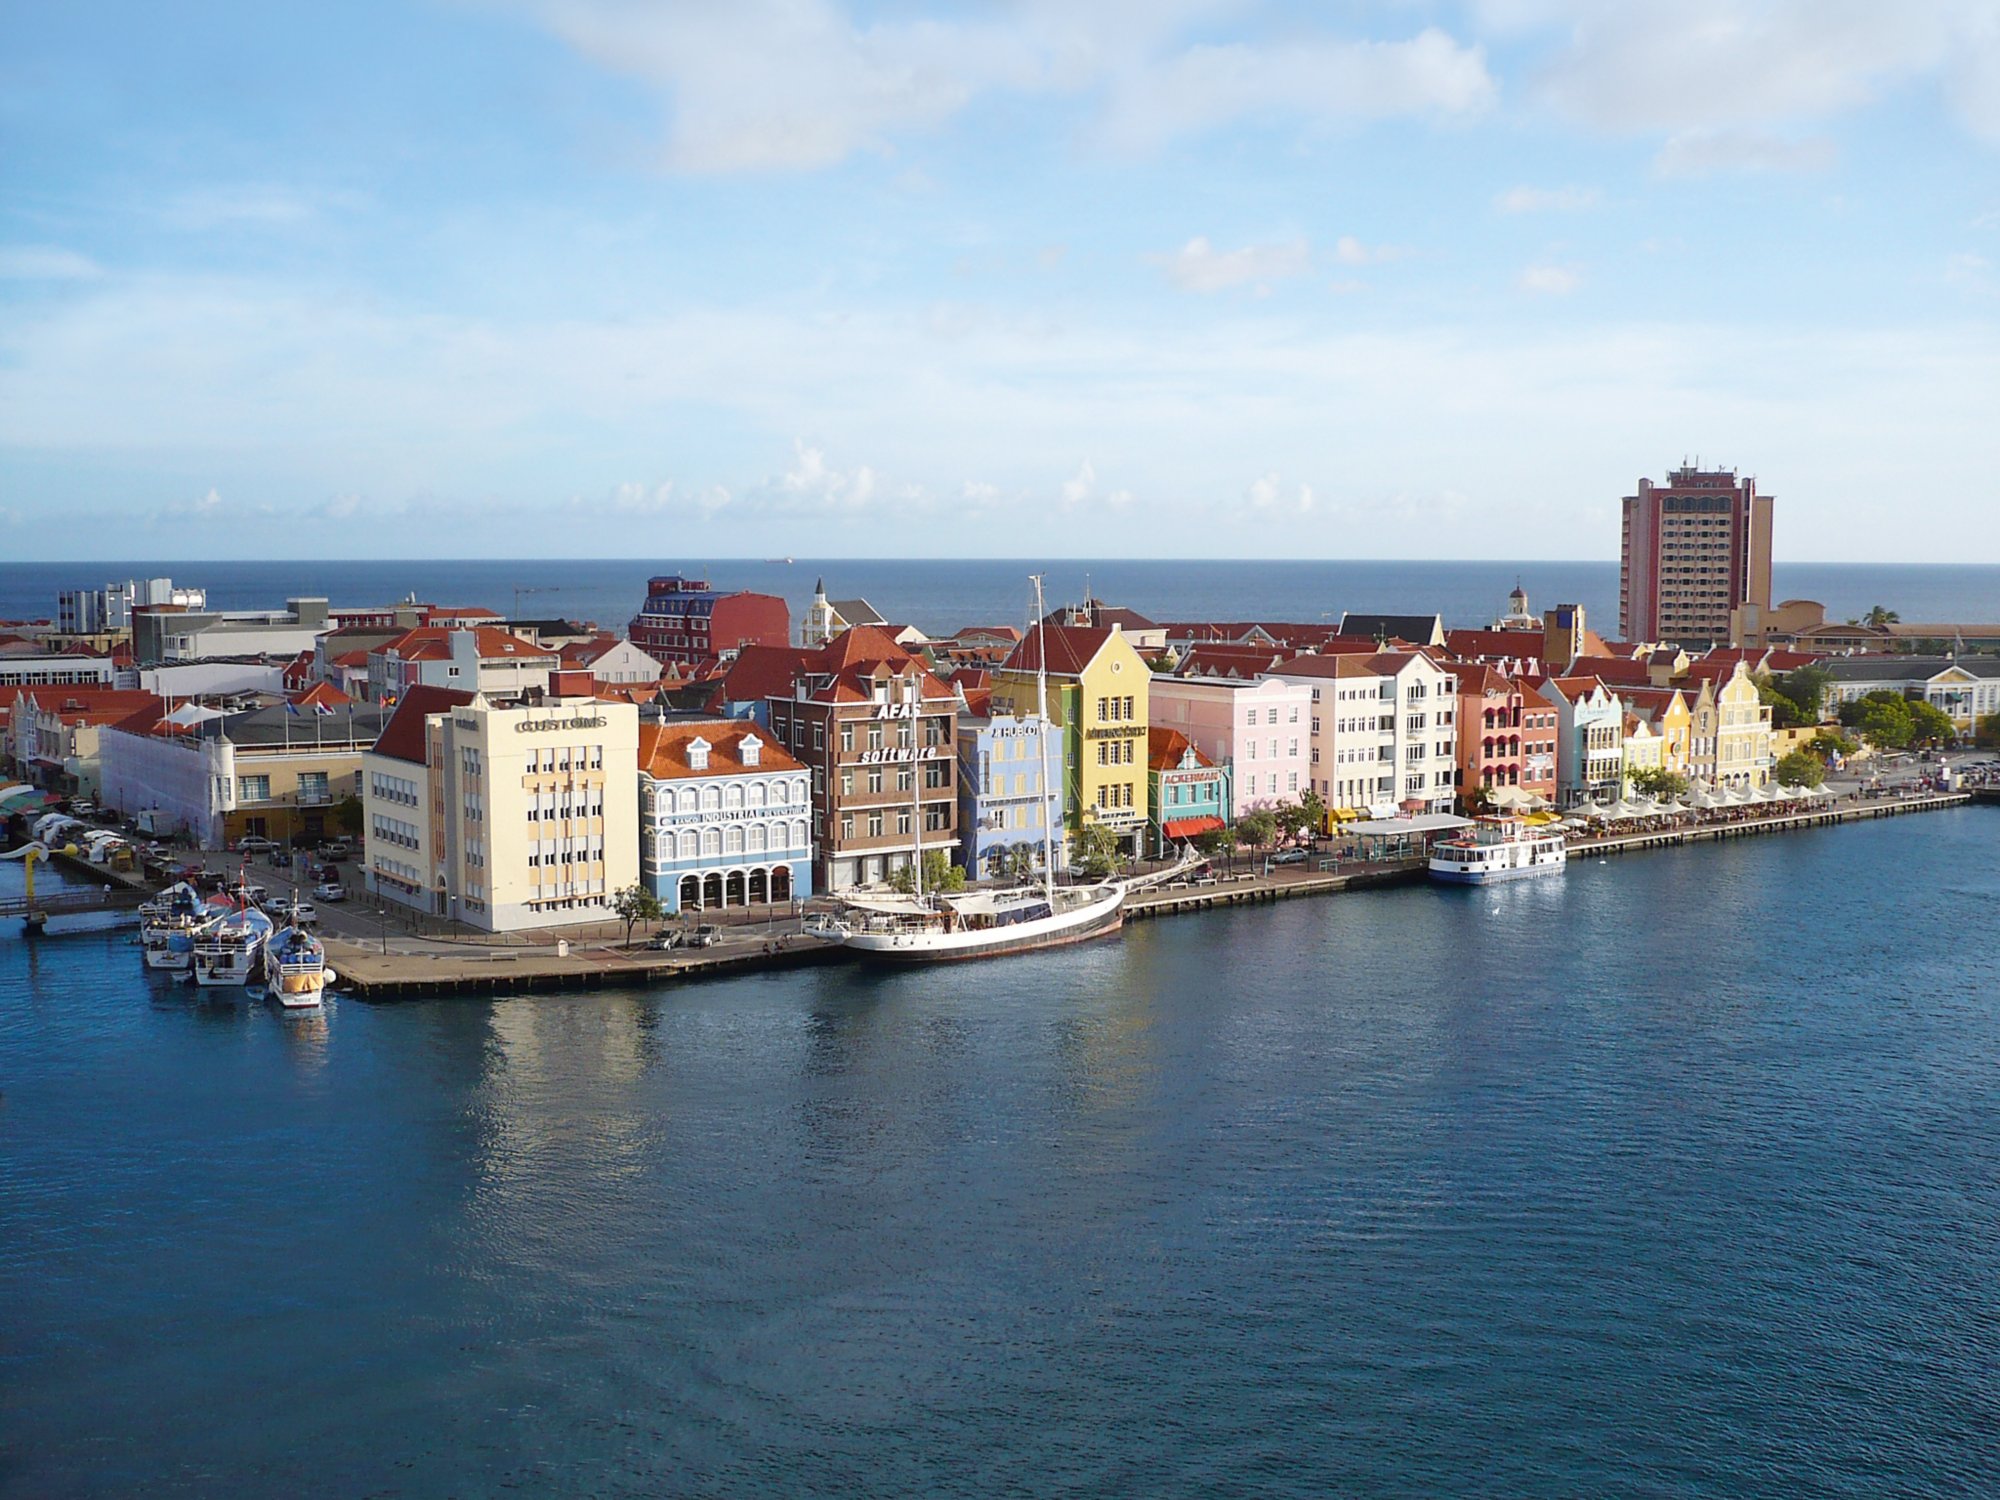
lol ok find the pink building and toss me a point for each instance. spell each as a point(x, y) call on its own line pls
point(1261, 730)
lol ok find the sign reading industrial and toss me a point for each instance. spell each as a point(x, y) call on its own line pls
point(543, 726)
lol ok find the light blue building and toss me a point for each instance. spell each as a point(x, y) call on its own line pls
point(725, 817)
point(1002, 799)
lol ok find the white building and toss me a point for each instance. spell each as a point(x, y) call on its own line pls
point(503, 817)
point(89, 611)
point(1965, 689)
point(1384, 730)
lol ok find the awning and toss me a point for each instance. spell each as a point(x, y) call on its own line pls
point(1187, 828)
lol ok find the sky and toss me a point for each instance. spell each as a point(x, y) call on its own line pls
point(1167, 278)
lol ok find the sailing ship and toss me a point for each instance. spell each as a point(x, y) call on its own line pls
point(295, 969)
point(1498, 848)
point(230, 953)
point(941, 927)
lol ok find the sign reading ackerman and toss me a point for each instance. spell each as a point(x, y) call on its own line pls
point(545, 726)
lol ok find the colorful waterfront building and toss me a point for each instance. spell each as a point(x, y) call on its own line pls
point(1491, 707)
point(1100, 696)
point(1590, 756)
point(1730, 727)
point(1643, 749)
point(725, 816)
point(1004, 801)
point(1260, 728)
point(1665, 711)
point(1187, 794)
point(1385, 730)
point(879, 734)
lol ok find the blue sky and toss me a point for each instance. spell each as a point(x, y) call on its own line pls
point(1178, 278)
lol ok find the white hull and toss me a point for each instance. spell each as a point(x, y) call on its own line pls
point(300, 986)
point(1489, 863)
point(929, 942)
point(232, 970)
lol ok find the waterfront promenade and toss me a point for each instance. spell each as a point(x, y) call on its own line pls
point(411, 966)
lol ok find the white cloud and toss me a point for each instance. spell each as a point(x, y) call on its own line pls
point(1266, 493)
point(778, 84)
point(1705, 153)
point(1546, 280)
point(1199, 267)
point(815, 485)
point(46, 263)
point(251, 205)
point(1078, 487)
point(1725, 65)
point(1533, 200)
point(341, 508)
point(1349, 251)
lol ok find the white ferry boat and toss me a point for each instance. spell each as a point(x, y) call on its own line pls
point(295, 969)
point(1498, 848)
point(230, 953)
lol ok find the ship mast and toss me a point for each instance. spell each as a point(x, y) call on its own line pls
point(916, 788)
point(1042, 741)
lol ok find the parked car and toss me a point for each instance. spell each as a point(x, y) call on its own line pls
point(333, 853)
point(280, 906)
point(1291, 856)
point(251, 843)
point(329, 890)
point(664, 940)
point(304, 914)
point(705, 936)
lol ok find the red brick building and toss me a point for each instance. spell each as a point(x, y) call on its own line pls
point(684, 621)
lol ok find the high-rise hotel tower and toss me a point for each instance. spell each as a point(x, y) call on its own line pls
point(1696, 560)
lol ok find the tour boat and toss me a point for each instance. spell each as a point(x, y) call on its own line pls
point(295, 970)
point(169, 924)
point(1498, 848)
point(936, 927)
point(230, 953)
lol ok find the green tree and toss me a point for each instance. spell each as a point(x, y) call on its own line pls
point(1258, 829)
point(1215, 843)
point(1986, 734)
point(1831, 742)
point(1094, 850)
point(1807, 687)
point(1023, 860)
point(635, 904)
point(347, 815)
point(1930, 724)
point(1291, 819)
point(1800, 768)
point(1314, 807)
point(1878, 617)
point(940, 874)
point(1659, 783)
point(1883, 718)
point(1786, 712)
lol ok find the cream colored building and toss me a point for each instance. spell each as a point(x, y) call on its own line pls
point(504, 817)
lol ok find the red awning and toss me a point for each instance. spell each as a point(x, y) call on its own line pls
point(1187, 828)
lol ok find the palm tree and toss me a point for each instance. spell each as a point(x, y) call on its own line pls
point(1879, 617)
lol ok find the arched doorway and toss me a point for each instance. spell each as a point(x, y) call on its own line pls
point(711, 890)
point(760, 886)
point(732, 889)
point(781, 883)
point(690, 896)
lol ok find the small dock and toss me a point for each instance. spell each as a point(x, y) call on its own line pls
point(371, 975)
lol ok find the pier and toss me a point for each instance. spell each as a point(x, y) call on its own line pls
point(458, 967)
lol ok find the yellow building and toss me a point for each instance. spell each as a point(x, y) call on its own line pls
point(504, 817)
point(1098, 694)
point(1643, 748)
point(1666, 713)
point(1730, 731)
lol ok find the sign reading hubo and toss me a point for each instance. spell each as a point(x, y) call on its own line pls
point(542, 726)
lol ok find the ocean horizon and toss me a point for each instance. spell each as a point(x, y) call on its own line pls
point(941, 594)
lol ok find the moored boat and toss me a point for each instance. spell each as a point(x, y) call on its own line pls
point(295, 970)
point(230, 953)
point(169, 924)
point(1495, 849)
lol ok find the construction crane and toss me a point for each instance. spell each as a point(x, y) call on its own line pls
point(522, 588)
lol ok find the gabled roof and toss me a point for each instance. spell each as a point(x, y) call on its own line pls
point(402, 737)
point(857, 612)
point(1421, 630)
point(1229, 661)
point(1166, 748)
point(1071, 648)
point(76, 705)
point(852, 661)
point(1476, 677)
point(1620, 670)
point(1487, 645)
point(1348, 664)
point(663, 749)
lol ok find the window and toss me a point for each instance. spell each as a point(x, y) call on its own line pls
point(847, 737)
point(875, 825)
point(1270, 716)
point(253, 788)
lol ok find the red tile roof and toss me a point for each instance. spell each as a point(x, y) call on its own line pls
point(322, 694)
point(663, 749)
point(433, 643)
point(1070, 648)
point(403, 737)
point(1165, 747)
point(87, 705)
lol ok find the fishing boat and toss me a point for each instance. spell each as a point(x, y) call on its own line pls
point(1498, 848)
point(295, 969)
point(230, 953)
point(938, 927)
point(169, 924)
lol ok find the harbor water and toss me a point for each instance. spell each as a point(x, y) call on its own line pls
point(1678, 1176)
